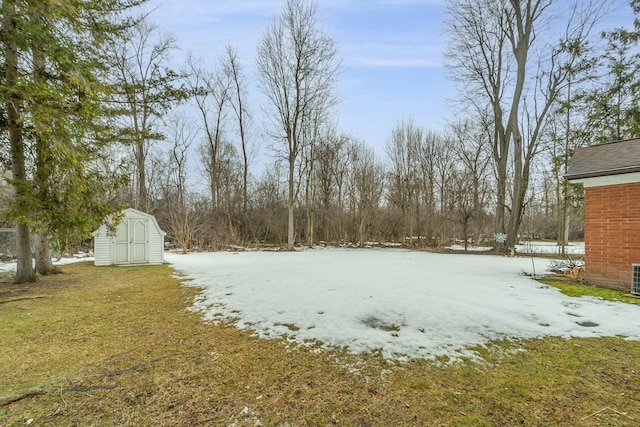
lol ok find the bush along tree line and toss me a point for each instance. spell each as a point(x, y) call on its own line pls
point(95, 118)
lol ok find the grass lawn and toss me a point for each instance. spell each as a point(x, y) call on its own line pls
point(116, 346)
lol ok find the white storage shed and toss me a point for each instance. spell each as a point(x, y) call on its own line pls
point(138, 239)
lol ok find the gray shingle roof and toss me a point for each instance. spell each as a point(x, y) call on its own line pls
point(614, 158)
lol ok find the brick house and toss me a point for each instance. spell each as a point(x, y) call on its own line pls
point(610, 174)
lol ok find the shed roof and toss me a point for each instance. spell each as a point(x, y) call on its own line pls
point(130, 212)
point(613, 158)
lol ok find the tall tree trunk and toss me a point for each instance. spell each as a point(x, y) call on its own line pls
point(565, 240)
point(309, 201)
point(325, 217)
point(44, 262)
point(142, 176)
point(362, 230)
point(500, 155)
point(310, 227)
point(24, 270)
point(42, 250)
point(520, 187)
point(310, 217)
point(465, 232)
point(519, 190)
point(245, 178)
point(291, 204)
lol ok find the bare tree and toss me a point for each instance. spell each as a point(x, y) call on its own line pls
point(426, 154)
point(315, 135)
point(495, 47)
point(309, 174)
point(210, 91)
point(445, 163)
point(270, 205)
point(462, 201)
point(420, 166)
point(297, 67)
point(182, 133)
point(473, 154)
point(367, 187)
point(180, 219)
point(331, 159)
point(147, 91)
point(225, 181)
point(237, 97)
point(402, 149)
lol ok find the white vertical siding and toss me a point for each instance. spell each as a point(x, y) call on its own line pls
point(156, 245)
point(101, 247)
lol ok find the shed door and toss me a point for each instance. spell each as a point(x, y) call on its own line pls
point(121, 255)
point(131, 242)
point(139, 237)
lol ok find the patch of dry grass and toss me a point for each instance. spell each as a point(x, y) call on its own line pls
point(115, 346)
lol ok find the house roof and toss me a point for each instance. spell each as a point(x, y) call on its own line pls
point(614, 158)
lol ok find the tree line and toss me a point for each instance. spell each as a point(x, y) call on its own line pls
point(95, 118)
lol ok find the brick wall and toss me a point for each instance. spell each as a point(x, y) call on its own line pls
point(612, 234)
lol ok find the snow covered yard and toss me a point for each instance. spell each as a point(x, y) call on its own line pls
point(403, 303)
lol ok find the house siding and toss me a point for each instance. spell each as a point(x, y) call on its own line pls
point(612, 234)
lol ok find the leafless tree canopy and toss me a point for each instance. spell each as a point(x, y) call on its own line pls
point(188, 140)
point(297, 69)
point(514, 59)
point(139, 66)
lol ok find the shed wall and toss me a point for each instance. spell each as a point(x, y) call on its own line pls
point(156, 247)
point(612, 234)
point(102, 247)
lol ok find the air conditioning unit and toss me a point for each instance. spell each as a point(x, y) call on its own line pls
point(635, 280)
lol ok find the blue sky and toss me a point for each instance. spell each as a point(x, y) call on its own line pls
point(391, 51)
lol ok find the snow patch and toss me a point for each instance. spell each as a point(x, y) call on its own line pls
point(404, 304)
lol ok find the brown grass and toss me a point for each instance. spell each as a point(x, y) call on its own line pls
point(117, 347)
